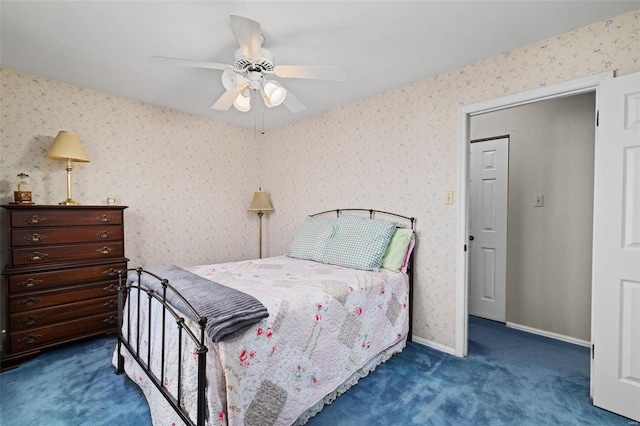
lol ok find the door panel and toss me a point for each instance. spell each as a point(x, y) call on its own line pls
point(488, 214)
point(616, 243)
point(489, 270)
point(631, 197)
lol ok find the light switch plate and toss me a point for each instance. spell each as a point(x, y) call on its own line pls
point(448, 197)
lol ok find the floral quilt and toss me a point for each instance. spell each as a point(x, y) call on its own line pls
point(325, 323)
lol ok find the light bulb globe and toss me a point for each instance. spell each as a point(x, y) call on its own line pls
point(242, 103)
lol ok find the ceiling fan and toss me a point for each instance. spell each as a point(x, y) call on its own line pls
point(251, 68)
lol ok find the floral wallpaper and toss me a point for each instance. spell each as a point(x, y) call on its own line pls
point(188, 180)
point(398, 151)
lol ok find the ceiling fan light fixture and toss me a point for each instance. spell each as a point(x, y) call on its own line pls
point(267, 102)
point(242, 102)
point(229, 79)
point(274, 92)
point(252, 64)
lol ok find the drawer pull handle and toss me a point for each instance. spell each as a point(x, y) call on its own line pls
point(111, 272)
point(30, 301)
point(104, 235)
point(36, 255)
point(30, 320)
point(110, 304)
point(30, 338)
point(35, 219)
point(29, 283)
point(111, 320)
point(105, 250)
point(111, 288)
point(35, 238)
point(104, 218)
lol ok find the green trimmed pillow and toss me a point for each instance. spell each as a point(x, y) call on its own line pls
point(310, 242)
point(359, 242)
point(397, 250)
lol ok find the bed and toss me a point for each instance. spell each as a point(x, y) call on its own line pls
point(327, 323)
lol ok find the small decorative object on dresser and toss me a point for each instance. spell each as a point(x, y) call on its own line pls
point(61, 275)
point(23, 194)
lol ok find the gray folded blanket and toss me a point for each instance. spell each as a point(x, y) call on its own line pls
point(229, 311)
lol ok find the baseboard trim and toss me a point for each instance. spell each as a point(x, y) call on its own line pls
point(549, 334)
point(434, 345)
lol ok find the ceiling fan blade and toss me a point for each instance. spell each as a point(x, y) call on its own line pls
point(313, 72)
point(293, 104)
point(225, 101)
point(248, 35)
point(188, 62)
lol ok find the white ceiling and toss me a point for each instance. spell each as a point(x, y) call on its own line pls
point(104, 45)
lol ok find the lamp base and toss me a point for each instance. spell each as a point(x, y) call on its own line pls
point(69, 202)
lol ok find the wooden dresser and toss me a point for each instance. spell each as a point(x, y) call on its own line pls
point(61, 275)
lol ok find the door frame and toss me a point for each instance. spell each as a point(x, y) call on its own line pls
point(569, 88)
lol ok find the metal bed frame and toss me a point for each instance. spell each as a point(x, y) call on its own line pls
point(201, 348)
point(144, 360)
point(412, 221)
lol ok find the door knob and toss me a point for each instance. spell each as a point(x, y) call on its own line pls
point(471, 238)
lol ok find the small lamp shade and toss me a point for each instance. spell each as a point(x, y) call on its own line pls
point(275, 93)
point(260, 203)
point(243, 102)
point(67, 146)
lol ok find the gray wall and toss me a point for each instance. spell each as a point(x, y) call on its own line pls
point(551, 152)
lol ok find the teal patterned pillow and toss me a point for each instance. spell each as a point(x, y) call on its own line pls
point(310, 242)
point(359, 242)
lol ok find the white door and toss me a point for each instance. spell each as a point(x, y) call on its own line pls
point(616, 249)
point(489, 179)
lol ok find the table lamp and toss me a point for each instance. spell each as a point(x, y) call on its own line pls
point(67, 147)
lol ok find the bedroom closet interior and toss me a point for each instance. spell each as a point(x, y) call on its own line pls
point(549, 246)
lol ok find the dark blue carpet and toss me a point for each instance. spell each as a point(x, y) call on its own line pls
point(71, 385)
point(509, 378)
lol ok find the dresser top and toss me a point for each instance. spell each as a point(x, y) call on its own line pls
point(57, 207)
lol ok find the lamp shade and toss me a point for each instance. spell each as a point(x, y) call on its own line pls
point(229, 79)
point(260, 203)
point(67, 146)
point(243, 102)
point(275, 93)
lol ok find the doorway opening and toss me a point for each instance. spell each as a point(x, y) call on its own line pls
point(579, 86)
point(531, 216)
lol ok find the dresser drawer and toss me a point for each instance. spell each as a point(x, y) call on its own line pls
point(61, 313)
point(53, 254)
point(50, 236)
point(40, 337)
point(46, 280)
point(63, 217)
point(26, 302)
